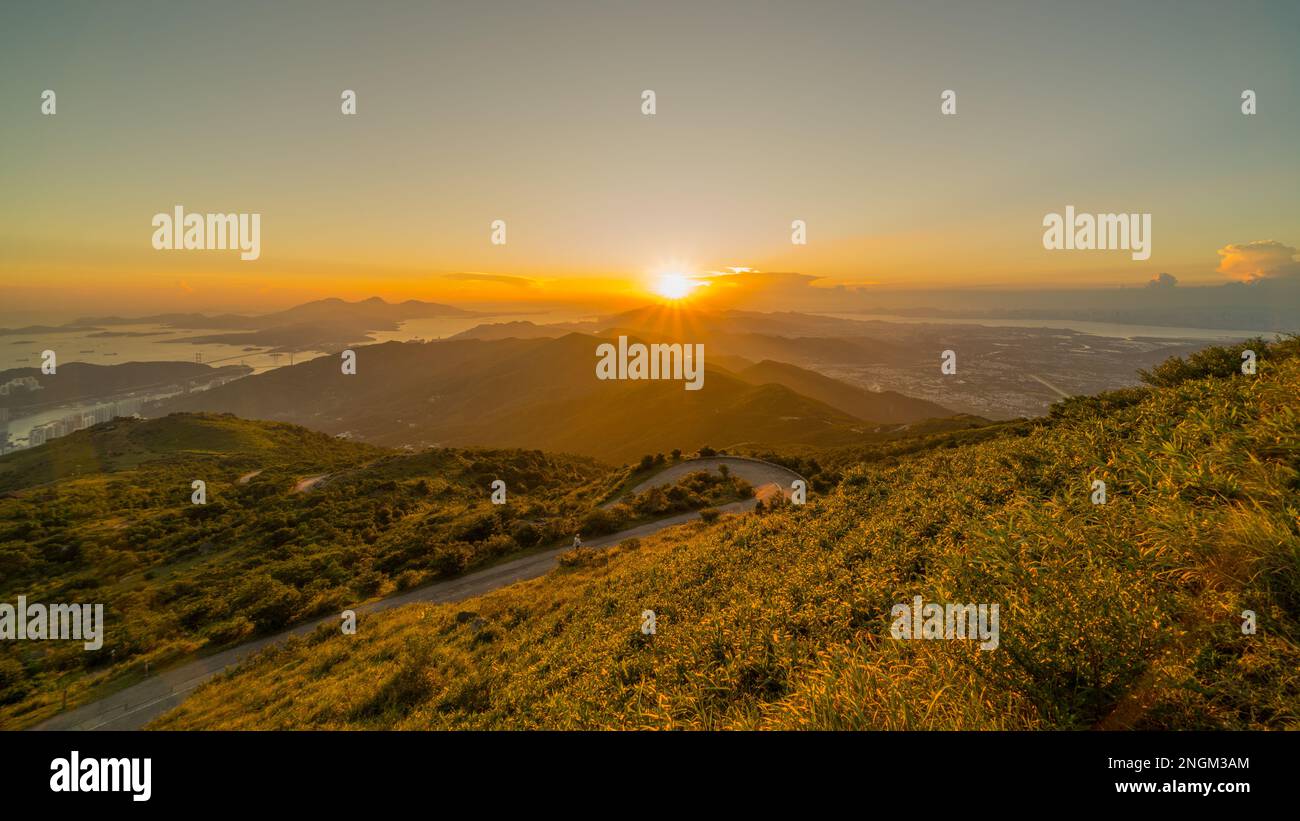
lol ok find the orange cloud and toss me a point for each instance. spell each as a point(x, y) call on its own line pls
point(1261, 259)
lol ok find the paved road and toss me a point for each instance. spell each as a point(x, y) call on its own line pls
point(755, 472)
point(137, 705)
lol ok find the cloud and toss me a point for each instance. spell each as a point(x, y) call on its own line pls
point(763, 290)
point(518, 282)
point(1162, 280)
point(1261, 259)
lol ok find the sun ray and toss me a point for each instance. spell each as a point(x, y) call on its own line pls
point(675, 286)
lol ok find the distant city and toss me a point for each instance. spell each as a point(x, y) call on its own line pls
point(81, 420)
point(80, 417)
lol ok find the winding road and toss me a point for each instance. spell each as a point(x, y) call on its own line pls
point(135, 706)
point(755, 471)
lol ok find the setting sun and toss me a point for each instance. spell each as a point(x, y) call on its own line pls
point(675, 286)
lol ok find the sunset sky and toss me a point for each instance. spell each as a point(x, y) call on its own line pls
point(530, 113)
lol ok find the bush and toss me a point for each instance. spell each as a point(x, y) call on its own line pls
point(600, 521)
point(268, 602)
point(585, 557)
point(408, 579)
point(497, 545)
point(367, 583)
point(473, 528)
point(229, 631)
point(13, 681)
point(1220, 361)
point(525, 533)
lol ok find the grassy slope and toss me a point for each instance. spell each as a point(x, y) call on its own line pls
point(105, 515)
point(1120, 615)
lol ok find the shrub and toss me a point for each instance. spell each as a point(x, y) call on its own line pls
point(600, 521)
point(1219, 361)
point(408, 579)
point(229, 631)
point(525, 533)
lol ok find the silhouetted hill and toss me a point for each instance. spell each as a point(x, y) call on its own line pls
point(788, 337)
point(539, 393)
point(519, 329)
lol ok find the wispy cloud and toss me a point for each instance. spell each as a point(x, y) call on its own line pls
point(503, 279)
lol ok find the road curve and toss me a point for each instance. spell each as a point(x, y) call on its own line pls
point(755, 471)
point(135, 706)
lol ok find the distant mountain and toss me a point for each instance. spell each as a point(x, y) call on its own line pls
point(38, 330)
point(372, 314)
point(886, 406)
point(326, 324)
point(702, 322)
point(735, 364)
point(299, 336)
point(519, 329)
point(797, 338)
point(536, 393)
point(170, 320)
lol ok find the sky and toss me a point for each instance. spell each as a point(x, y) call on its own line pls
point(531, 113)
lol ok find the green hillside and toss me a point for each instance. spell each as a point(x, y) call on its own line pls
point(207, 439)
point(297, 524)
point(1121, 615)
